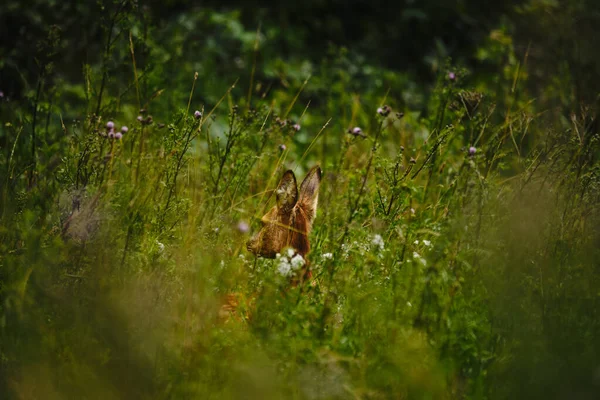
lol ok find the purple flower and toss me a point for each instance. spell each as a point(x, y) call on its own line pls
point(243, 227)
point(296, 127)
point(197, 114)
point(282, 147)
point(124, 129)
point(1, 94)
point(384, 111)
point(110, 125)
point(118, 135)
point(472, 151)
point(140, 118)
point(111, 133)
point(451, 76)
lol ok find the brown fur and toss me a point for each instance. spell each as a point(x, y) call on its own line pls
point(289, 222)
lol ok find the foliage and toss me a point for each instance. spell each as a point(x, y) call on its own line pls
point(454, 253)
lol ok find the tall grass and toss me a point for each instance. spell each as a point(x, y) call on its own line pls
point(454, 253)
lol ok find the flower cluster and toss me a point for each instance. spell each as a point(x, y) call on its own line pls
point(377, 241)
point(142, 120)
point(384, 111)
point(289, 263)
point(110, 131)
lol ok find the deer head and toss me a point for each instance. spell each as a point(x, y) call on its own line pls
point(289, 222)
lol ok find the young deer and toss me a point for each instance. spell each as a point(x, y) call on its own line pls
point(289, 222)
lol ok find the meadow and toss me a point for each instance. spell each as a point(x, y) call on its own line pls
point(454, 255)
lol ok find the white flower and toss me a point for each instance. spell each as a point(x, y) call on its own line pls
point(297, 262)
point(418, 257)
point(378, 241)
point(416, 242)
point(161, 247)
point(427, 243)
point(328, 256)
point(284, 268)
point(290, 252)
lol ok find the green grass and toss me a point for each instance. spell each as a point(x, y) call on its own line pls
point(439, 271)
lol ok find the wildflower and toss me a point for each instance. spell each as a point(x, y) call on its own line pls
point(1, 94)
point(384, 111)
point(472, 151)
point(297, 262)
point(110, 125)
point(418, 257)
point(142, 111)
point(140, 118)
point(427, 243)
point(412, 211)
point(282, 147)
point(378, 241)
point(111, 133)
point(118, 136)
point(296, 127)
point(161, 247)
point(451, 76)
point(416, 242)
point(243, 227)
point(124, 129)
point(284, 268)
point(356, 131)
point(327, 256)
point(197, 114)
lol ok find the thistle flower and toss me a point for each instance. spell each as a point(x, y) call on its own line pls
point(111, 134)
point(243, 227)
point(384, 111)
point(124, 129)
point(472, 151)
point(296, 127)
point(356, 131)
point(451, 76)
point(110, 125)
point(282, 147)
point(118, 136)
point(140, 118)
point(197, 114)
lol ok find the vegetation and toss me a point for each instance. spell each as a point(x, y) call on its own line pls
point(455, 249)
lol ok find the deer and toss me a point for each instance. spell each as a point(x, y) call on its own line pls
point(289, 222)
point(285, 225)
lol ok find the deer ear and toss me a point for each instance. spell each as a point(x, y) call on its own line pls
point(287, 191)
point(309, 191)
